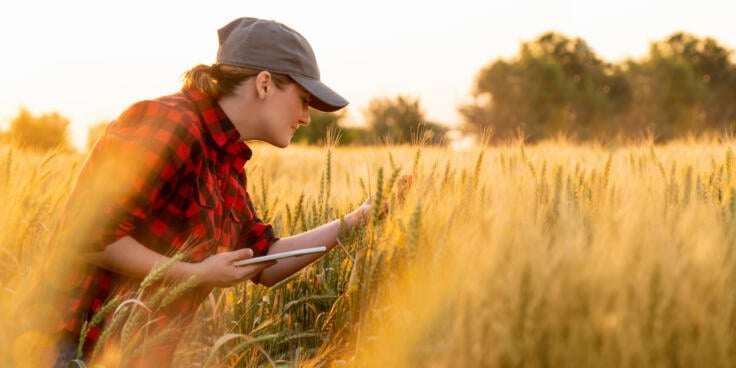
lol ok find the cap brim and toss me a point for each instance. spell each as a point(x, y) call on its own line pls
point(323, 97)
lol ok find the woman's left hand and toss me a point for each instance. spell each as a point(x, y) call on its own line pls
point(363, 212)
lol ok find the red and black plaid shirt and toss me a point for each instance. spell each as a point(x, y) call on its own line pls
point(166, 170)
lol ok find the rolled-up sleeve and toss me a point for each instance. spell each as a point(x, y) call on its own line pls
point(256, 234)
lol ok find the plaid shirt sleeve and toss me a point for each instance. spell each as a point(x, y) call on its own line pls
point(131, 171)
point(255, 234)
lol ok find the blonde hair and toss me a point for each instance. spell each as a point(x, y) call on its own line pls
point(219, 80)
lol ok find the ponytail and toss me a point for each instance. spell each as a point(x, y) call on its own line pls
point(203, 78)
point(218, 80)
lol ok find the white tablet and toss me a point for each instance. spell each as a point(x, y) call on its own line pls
point(270, 257)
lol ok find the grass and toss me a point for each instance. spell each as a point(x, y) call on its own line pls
point(555, 255)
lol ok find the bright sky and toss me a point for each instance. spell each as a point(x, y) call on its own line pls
point(89, 60)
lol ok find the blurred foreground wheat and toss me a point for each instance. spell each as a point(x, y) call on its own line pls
point(549, 255)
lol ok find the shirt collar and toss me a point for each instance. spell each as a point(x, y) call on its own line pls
point(218, 125)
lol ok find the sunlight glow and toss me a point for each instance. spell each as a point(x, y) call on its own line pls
point(89, 60)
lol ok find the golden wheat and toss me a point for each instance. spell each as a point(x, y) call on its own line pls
point(515, 255)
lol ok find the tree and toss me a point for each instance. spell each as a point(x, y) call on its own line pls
point(685, 85)
point(401, 120)
point(555, 85)
point(44, 132)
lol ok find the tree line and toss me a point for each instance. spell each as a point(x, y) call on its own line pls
point(556, 85)
point(391, 121)
point(686, 85)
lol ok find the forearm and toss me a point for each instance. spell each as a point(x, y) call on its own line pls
point(128, 257)
point(325, 235)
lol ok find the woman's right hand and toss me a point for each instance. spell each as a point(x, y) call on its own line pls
point(219, 269)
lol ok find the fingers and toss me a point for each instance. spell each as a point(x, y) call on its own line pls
point(219, 269)
point(249, 271)
point(403, 185)
point(405, 180)
point(239, 254)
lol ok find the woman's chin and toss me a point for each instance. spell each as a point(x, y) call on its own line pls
point(282, 144)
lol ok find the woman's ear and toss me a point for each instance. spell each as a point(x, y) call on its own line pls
point(263, 83)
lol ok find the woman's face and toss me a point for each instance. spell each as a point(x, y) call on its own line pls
point(284, 111)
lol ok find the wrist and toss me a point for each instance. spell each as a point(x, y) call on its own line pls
point(352, 219)
point(196, 270)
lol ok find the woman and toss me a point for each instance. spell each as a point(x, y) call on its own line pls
point(168, 174)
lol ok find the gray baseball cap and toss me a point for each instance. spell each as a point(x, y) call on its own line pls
point(272, 46)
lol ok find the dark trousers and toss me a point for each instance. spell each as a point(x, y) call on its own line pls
point(66, 348)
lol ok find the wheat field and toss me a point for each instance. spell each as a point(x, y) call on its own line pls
point(547, 255)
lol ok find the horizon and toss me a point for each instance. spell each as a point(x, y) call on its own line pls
point(93, 64)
